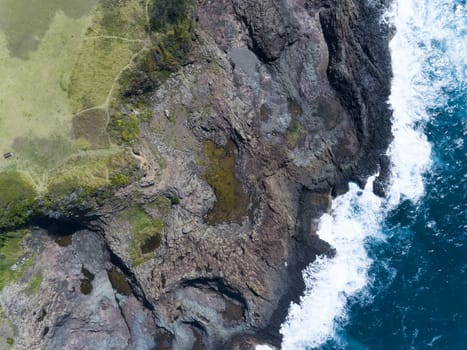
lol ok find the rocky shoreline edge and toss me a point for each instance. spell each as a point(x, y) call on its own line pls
point(278, 105)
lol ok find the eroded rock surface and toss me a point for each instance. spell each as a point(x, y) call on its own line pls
point(294, 92)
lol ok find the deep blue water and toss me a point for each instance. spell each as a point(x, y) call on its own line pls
point(417, 297)
point(419, 291)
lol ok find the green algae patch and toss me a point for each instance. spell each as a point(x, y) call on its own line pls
point(86, 282)
point(34, 284)
point(232, 202)
point(64, 241)
point(295, 132)
point(119, 282)
point(146, 234)
point(11, 268)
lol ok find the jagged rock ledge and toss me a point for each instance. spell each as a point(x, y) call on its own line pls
point(279, 105)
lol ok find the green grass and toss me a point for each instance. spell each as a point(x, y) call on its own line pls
point(69, 68)
point(168, 13)
point(123, 18)
point(10, 252)
point(91, 127)
point(44, 152)
point(124, 128)
point(14, 187)
point(80, 172)
point(17, 198)
point(146, 234)
point(33, 103)
point(99, 63)
point(162, 204)
point(232, 201)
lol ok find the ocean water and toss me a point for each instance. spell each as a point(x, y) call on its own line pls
point(399, 279)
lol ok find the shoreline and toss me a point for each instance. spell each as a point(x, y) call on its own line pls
point(271, 101)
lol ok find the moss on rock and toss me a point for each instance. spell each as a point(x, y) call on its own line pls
point(232, 202)
point(12, 267)
point(295, 132)
point(146, 234)
point(34, 284)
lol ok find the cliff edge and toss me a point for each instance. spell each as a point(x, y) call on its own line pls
point(270, 109)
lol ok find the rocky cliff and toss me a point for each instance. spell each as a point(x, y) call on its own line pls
point(274, 107)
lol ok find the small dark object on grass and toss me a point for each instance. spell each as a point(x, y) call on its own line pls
point(8, 155)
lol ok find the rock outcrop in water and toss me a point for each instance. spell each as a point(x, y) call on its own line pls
point(277, 106)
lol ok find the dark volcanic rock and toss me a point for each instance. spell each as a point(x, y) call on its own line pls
point(290, 96)
point(300, 88)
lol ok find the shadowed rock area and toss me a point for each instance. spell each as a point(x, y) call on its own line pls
point(277, 106)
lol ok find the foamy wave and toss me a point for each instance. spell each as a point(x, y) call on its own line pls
point(422, 26)
point(329, 282)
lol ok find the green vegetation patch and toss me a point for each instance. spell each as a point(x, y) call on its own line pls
point(119, 282)
point(295, 132)
point(34, 284)
point(15, 187)
point(10, 253)
point(168, 13)
point(99, 64)
point(232, 201)
point(124, 18)
point(86, 282)
point(16, 200)
point(80, 171)
point(41, 153)
point(124, 128)
point(161, 204)
point(146, 234)
point(90, 126)
point(172, 37)
point(26, 22)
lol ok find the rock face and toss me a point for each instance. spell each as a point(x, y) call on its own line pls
point(291, 94)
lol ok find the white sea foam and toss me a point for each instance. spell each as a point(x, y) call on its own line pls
point(356, 216)
point(329, 282)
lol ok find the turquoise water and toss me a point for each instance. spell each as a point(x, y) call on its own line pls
point(399, 280)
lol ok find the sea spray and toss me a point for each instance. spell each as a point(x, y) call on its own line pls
point(357, 216)
point(329, 282)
